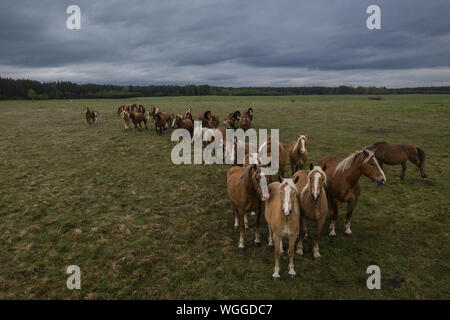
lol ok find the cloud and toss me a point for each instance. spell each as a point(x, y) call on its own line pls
point(235, 43)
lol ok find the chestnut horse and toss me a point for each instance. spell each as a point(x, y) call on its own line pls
point(245, 123)
point(137, 118)
point(313, 203)
point(249, 112)
point(247, 188)
point(343, 182)
point(204, 116)
point(282, 215)
point(297, 153)
point(92, 116)
point(180, 123)
point(232, 121)
point(394, 154)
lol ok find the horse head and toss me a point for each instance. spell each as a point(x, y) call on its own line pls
point(288, 195)
point(370, 167)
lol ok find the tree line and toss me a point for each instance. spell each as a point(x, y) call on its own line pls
point(32, 89)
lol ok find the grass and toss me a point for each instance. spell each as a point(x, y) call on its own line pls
point(140, 227)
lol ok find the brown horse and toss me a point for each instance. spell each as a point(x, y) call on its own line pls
point(92, 116)
point(141, 109)
point(245, 123)
point(249, 112)
point(281, 156)
point(282, 215)
point(343, 182)
point(137, 118)
point(313, 203)
point(180, 123)
point(188, 115)
point(247, 188)
point(126, 119)
point(212, 123)
point(297, 153)
point(394, 154)
point(204, 116)
point(160, 122)
point(232, 121)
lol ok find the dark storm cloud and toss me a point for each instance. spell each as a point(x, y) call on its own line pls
point(225, 43)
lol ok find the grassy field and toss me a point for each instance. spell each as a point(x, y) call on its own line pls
point(140, 227)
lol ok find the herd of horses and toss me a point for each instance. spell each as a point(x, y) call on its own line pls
point(289, 202)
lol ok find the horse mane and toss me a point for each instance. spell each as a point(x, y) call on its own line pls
point(289, 182)
point(320, 170)
point(347, 162)
point(373, 145)
point(298, 140)
point(205, 114)
point(237, 114)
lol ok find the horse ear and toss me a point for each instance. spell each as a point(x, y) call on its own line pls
point(306, 135)
point(311, 166)
point(280, 177)
point(365, 152)
point(297, 177)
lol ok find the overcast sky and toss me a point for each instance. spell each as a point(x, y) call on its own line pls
point(228, 42)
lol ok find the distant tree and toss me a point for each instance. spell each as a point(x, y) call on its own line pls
point(31, 94)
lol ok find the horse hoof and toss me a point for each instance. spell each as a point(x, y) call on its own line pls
point(276, 278)
point(292, 276)
point(299, 252)
point(348, 234)
point(332, 234)
point(241, 249)
point(257, 244)
point(316, 257)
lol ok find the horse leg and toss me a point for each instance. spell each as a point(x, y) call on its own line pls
point(402, 175)
point(246, 221)
point(316, 253)
point(242, 229)
point(351, 205)
point(302, 236)
point(270, 236)
point(292, 239)
point(257, 223)
point(276, 239)
point(334, 216)
point(236, 220)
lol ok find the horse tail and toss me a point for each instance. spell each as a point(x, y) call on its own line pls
point(421, 155)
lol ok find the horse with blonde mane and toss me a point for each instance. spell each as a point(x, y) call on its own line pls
point(282, 214)
point(247, 189)
point(297, 153)
point(313, 203)
point(343, 182)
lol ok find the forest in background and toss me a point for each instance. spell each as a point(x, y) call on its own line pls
point(32, 89)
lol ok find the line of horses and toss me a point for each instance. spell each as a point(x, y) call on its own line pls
point(289, 202)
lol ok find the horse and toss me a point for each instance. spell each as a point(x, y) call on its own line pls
point(282, 214)
point(141, 109)
point(245, 123)
point(343, 182)
point(160, 122)
point(204, 116)
point(187, 114)
point(126, 118)
point(313, 203)
point(127, 107)
point(232, 121)
point(137, 118)
point(394, 154)
point(249, 112)
point(180, 123)
point(281, 156)
point(297, 153)
point(247, 188)
point(154, 110)
point(92, 116)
